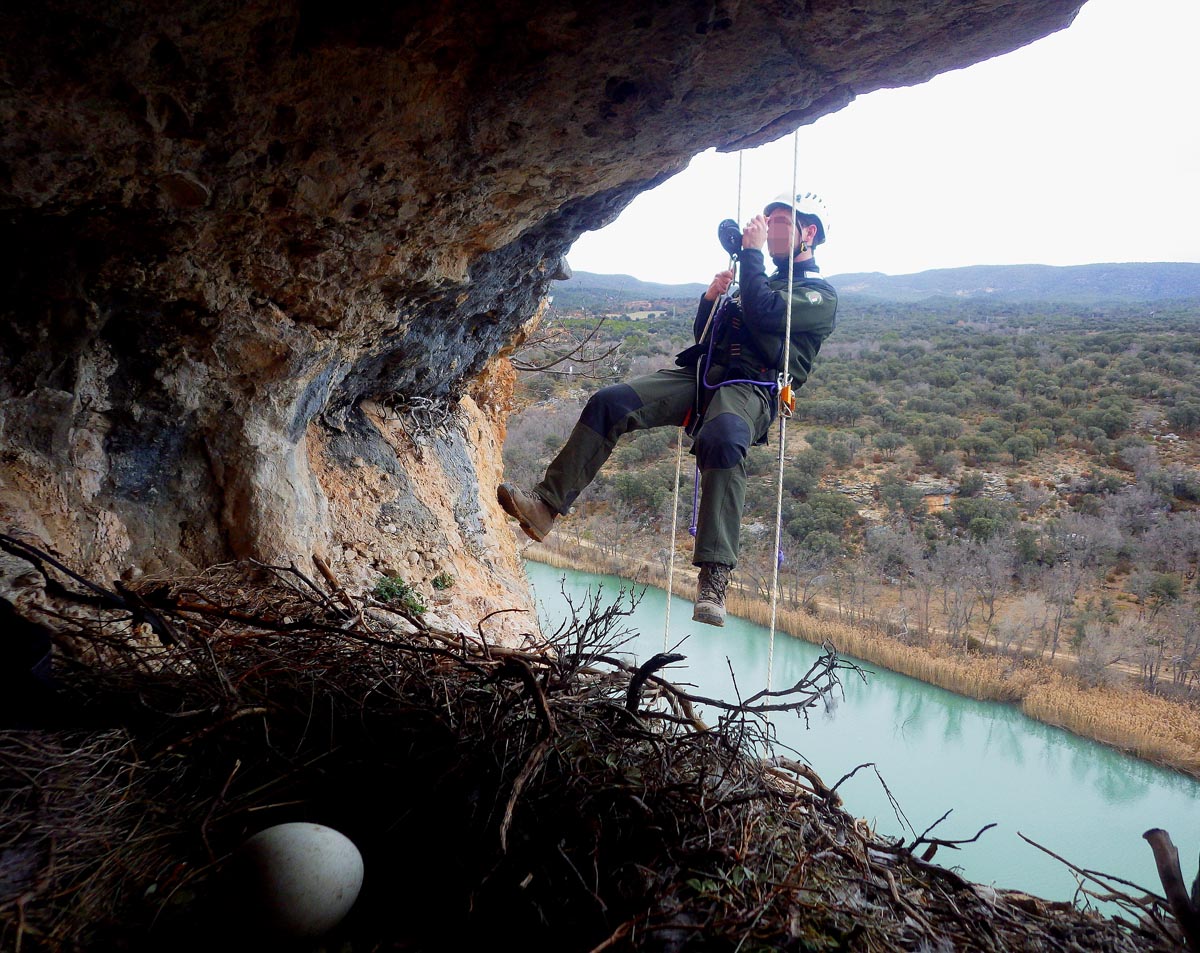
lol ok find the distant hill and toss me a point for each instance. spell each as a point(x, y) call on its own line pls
point(624, 286)
point(1121, 282)
point(1128, 282)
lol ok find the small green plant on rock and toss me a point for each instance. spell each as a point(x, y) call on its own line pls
point(443, 581)
point(394, 589)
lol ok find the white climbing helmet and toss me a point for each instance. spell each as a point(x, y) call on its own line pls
point(804, 203)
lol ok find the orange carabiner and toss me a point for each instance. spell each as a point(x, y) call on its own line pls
point(787, 400)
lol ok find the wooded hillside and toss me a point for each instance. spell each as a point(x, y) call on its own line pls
point(1017, 476)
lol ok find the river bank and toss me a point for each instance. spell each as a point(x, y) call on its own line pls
point(1146, 726)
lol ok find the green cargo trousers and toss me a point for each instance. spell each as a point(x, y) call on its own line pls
point(737, 416)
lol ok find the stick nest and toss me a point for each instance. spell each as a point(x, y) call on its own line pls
point(559, 797)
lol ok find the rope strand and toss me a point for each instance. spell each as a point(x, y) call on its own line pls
point(783, 380)
point(739, 197)
point(671, 551)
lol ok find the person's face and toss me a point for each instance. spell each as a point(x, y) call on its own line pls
point(781, 226)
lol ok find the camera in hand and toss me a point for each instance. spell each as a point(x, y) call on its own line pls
point(730, 237)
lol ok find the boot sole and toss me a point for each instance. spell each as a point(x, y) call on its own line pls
point(707, 618)
point(509, 505)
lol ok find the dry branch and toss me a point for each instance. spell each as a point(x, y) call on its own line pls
point(1166, 859)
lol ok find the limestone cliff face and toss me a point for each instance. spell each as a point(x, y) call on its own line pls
point(262, 255)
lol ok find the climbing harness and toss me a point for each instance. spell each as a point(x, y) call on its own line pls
point(779, 386)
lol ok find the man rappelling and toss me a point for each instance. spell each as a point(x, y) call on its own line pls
point(726, 389)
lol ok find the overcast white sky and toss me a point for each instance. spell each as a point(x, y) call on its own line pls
point(1082, 147)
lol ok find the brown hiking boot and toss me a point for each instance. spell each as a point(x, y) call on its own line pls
point(710, 599)
point(530, 510)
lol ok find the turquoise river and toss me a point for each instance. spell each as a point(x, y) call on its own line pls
point(937, 751)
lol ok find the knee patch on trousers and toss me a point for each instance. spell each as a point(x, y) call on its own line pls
point(722, 442)
point(608, 406)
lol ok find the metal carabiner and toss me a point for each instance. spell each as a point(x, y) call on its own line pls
point(787, 397)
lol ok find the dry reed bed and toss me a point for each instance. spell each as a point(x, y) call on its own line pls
point(1147, 726)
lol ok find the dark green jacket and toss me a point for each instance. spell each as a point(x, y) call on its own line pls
point(749, 344)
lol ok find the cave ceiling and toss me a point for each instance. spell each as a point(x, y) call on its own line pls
point(229, 222)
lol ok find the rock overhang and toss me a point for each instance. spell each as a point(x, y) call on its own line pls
point(231, 223)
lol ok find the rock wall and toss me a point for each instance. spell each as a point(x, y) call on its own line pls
point(262, 256)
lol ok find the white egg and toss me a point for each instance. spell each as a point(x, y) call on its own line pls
point(300, 879)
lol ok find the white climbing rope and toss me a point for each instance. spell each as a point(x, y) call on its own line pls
point(671, 551)
point(739, 199)
point(783, 415)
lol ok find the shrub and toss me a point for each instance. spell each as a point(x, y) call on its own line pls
point(395, 590)
point(827, 513)
point(971, 484)
point(842, 448)
point(979, 448)
point(946, 464)
point(641, 489)
point(1021, 448)
point(818, 439)
point(1165, 588)
point(983, 528)
point(889, 443)
point(1184, 416)
point(963, 513)
point(927, 448)
point(1185, 484)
